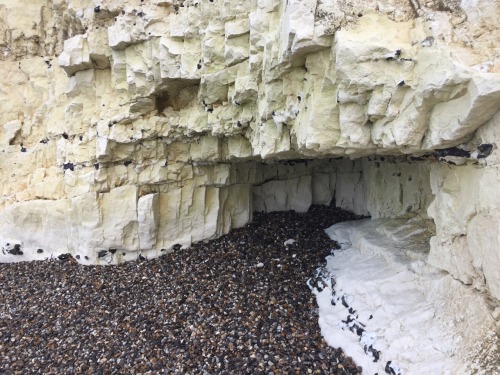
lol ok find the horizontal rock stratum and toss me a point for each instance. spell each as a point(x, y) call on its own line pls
point(130, 127)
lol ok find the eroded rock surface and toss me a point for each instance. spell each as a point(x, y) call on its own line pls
point(129, 127)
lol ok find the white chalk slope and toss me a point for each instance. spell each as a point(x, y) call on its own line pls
point(378, 299)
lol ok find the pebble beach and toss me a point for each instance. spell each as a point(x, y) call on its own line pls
point(235, 305)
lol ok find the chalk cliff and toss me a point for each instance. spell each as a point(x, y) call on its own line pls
point(129, 127)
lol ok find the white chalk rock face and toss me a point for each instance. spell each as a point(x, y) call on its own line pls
point(75, 56)
point(127, 128)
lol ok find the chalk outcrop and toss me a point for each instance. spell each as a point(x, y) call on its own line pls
point(130, 127)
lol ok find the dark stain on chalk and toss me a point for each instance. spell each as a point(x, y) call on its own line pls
point(102, 253)
point(64, 257)
point(484, 150)
point(452, 151)
point(16, 250)
point(388, 369)
point(69, 166)
point(344, 303)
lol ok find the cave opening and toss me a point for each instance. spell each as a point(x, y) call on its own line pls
point(374, 186)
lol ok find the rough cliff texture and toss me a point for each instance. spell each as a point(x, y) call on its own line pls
point(128, 127)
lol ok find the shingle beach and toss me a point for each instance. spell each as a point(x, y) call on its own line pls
point(235, 305)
